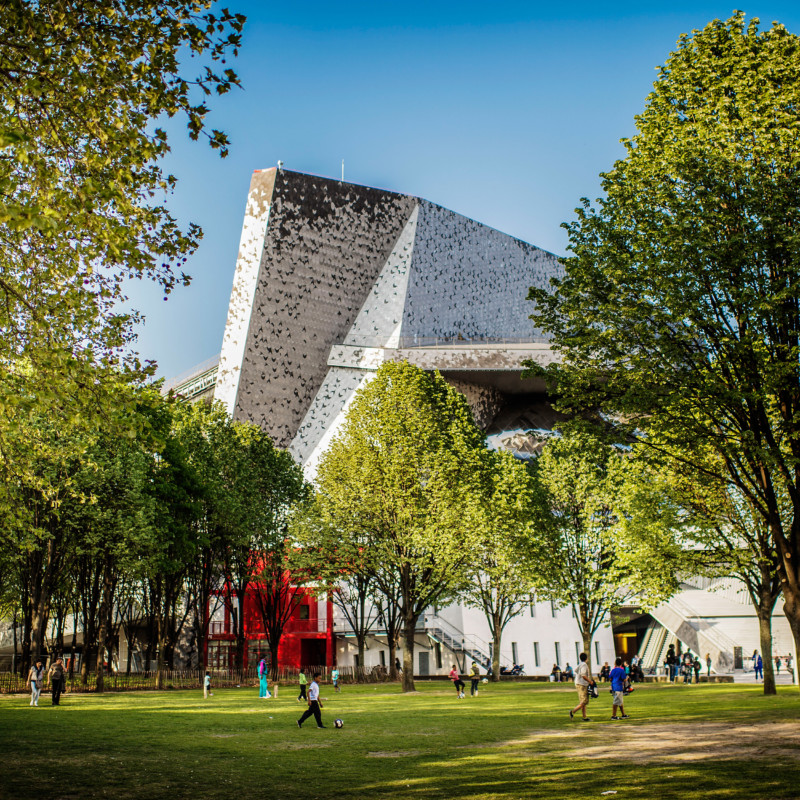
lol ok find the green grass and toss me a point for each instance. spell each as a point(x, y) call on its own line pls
point(513, 741)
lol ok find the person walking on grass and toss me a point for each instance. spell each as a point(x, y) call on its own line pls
point(314, 704)
point(758, 666)
point(475, 678)
point(457, 682)
point(303, 683)
point(335, 679)
point(57, 678)
point(263, 679)
point(583, 680)
point(207, 686)
point(618, 678)
point(36, 681)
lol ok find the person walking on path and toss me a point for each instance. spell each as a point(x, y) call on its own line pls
point(672, 663)
point(207, 686)
point(583, 680)
point(708, 663)
point(778, 665)
point(335, 679)
point(759, 666)
point(475, 677)
point(618, 690)
point(457, 682)
point(303, 683)
point(36, 681)
point(697, 667)
point(57, 677)
point(263, 679)
point(314, 704)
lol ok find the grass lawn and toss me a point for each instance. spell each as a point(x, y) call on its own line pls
point(513, 741)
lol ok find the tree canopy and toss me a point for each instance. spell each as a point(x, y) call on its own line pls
point(678, 313)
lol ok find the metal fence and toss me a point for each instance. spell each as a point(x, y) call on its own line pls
point(11, 683)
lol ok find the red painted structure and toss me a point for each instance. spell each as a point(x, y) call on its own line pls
point(307, 638)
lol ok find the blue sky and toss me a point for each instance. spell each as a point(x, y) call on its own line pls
point(504, 112)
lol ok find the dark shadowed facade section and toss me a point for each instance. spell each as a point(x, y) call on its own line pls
point(325, 245)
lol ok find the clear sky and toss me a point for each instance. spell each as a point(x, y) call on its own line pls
point(504, 112)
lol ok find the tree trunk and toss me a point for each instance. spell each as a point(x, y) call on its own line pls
point(273, 654)
point(587, 648)
point(392, 657)
point(497, 637)
point(791, 608)
point(361, 638)
point(102, 634)
point(765, 636)
point(409, 630)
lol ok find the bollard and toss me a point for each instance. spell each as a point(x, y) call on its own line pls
point(275, 690)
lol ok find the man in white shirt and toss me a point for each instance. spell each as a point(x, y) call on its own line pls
point(583, 680)
point(314, 704)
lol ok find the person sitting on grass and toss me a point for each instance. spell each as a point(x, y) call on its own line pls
point(618, 679)
point(605, 671)
point(568, 673)
point(583, 680)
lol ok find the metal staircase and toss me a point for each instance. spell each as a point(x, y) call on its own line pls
point(471, 647)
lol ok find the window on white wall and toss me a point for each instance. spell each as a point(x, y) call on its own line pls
point(577, 651)
point(536, 653)
point(597, 652)
point(552, 607)
point(558, 653)
point(514, 652)
point(532, 605)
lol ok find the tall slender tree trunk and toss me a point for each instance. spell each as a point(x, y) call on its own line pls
point(409, 630)
point(392, 640)
point(765, 637)
point(587, 647)
point(497, 638)
point(102, 634)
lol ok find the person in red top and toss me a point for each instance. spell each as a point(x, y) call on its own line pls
point(457, 682)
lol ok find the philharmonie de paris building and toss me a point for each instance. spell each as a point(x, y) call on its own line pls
point(331, 280)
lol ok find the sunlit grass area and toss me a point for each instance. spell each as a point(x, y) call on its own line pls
point(512, 741)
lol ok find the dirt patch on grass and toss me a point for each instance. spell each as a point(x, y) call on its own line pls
point(393, 753)
point(297, 745)
point(699, 741)
point(222, 735)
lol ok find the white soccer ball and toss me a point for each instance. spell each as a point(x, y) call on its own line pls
point(461, 696)
point(484, 680)
point(337, 723)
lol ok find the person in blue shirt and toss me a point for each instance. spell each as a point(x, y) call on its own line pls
point(618, 678)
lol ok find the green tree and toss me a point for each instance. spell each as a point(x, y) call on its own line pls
point(510, 554)
point(598, 561)
point(84, 88)
point(396, 477)
point(678, 314)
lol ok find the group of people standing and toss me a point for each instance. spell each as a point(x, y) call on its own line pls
point(38, 679)
point(685, 665)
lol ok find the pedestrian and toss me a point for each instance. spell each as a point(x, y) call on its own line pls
point(457, 682)
point(708, 663)
point(36, 681)
point(583, 680)
point(789, 666)
point(57, 677)
point(671, 662)
point(618, 679)
point(314, 704)
point(688, 666)
point(397, 666)
point(697, 667)
point(207, 686)
point(475, 678)
point(303, 683)
point(335, 678)
point(759, 668)
point(263, 678)
point(778, 665)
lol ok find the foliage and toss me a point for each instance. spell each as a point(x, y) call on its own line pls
point(598, 558)
point(394, 481)
point(678, 314)
point(510, 554)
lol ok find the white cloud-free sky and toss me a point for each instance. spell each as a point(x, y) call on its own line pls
point(504, 112)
